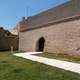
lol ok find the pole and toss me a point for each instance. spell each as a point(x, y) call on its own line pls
point(11, 49)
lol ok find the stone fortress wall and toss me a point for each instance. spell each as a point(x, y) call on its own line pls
point(59, 38)
point(59, 26)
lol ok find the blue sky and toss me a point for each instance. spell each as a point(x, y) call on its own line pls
point(11, 11)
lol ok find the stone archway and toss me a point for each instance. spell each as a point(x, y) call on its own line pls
point(40, 44)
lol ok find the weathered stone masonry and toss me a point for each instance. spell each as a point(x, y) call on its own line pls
point(61, 35)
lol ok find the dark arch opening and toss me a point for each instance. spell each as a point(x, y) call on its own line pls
point(40, 44)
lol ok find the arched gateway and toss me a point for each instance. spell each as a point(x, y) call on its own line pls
point(40, 44)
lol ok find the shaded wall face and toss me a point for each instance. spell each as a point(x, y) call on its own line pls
point(7, 42)
point(66, 10)
point(60, 38)
point(12, 42)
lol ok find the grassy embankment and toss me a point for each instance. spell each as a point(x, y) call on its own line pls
point(14, 68)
